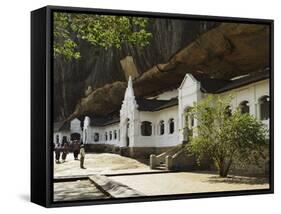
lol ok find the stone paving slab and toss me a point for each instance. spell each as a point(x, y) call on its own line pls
point(112, 188)
point(111, 175)
point(77, 190)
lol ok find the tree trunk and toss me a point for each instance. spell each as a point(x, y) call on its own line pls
point(221, 166)
point(222, 172)
point(63, 87)
point(224, 168)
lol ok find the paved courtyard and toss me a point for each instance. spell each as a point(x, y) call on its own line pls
point(119, 176)
point(104, 163)
point(77, 190)
point(188, 182)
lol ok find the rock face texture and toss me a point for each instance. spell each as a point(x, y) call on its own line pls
point(223, 52)
point(98, 67)
point(178, 47)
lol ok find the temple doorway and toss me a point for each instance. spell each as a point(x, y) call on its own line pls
point(127, 132)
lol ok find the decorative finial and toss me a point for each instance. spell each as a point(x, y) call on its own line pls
point(130, 82)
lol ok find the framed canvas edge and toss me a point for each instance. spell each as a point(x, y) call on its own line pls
point(153, 14)
point(49, 70)
point(49, 97)
point(38, 108)
point(162, 198)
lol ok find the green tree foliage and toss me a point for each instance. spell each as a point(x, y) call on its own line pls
point(226, 136)
point(100, 30)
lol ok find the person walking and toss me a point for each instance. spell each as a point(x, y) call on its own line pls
point(65, 148)
point(82, 155)
point(57, 151)
point(76, 148)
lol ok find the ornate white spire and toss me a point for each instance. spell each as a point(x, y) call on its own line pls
point(130, 82)
point(129, 91)
point(86, 122)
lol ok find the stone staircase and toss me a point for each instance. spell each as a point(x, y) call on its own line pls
point(162, 166)
point(164, 160)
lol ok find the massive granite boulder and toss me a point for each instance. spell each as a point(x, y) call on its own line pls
point(228, 50)
point(101, 101)
point(98, 67)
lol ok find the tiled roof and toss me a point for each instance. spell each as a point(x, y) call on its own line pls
point(215, 86)
point(61, 126)
point(65, 126)
point(155, 105)
point(210, 85)
point(57, 126)
point(103, 121)
point(258, 76)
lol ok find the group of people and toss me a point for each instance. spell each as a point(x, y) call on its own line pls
point(62, 149)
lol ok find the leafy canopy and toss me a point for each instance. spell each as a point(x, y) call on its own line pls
point(226, 136)
point(99, 30)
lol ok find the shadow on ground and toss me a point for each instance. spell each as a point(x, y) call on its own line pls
point(238, 180)
point(143, 161)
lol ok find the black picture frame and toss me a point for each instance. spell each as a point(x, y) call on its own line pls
point(41, 106)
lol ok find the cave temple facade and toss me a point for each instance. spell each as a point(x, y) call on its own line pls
point(155, 124)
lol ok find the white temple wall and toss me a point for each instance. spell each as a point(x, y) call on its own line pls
point(102, 131)
point(75, 126)
point(129, 129)
point(251, 93)
point(189, 92)
point(157, 140)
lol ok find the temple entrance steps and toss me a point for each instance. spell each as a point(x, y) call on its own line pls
point(162, 166)
point(164, 161)
point(179, 159)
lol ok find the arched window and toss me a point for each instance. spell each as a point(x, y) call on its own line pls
point(75, 136)
point(64, 140)
point(171, 126)
point(105, 136)
point(146, 128)
point(115, 134)
point(96, 137)
point(192, 120)
point(264, 107)
point(161, 127)
point(110, 135)
point(244, 107)
point(228, 112)
point(189, 118)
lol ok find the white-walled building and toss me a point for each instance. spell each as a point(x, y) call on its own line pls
point(69, 130)
point(154, 124)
